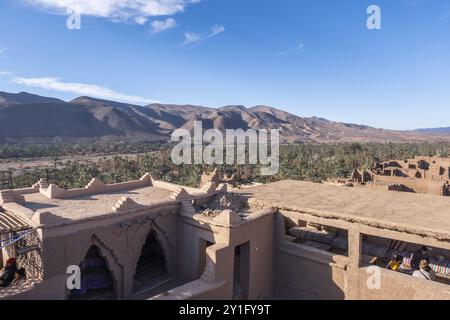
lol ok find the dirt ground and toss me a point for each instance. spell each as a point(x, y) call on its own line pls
point(19, 166)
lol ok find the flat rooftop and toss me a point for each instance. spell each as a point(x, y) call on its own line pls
point(405, 209)
point(94, 205)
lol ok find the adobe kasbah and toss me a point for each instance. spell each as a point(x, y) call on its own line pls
point(421, 174)
point(149, 239)
point(180, 152)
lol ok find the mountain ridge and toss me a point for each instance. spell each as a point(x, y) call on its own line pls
point(26, 117)
point(441, 130)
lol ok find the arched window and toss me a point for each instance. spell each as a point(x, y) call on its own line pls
point(96, 279)
point(151, 267)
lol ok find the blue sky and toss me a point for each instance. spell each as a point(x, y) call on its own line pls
point(308, 57)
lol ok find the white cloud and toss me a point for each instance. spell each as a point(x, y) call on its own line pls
point(116, 10)
point(83, 89)
point(191, 37)
point(291, 52)
point(217, 29)
point(5, 73)
point(162, 25)
point(141, 20)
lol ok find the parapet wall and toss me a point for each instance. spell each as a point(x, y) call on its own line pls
point(398, 286)
point(435, 187)
point(95, 186)
point(304, 273)
point(174, 187)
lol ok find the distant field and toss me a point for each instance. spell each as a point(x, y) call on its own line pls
point(19, 166)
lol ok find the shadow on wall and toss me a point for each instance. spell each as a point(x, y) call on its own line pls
point(301, 278)
point(307, 273)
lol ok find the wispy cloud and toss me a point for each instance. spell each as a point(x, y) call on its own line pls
point(162, 25)
point(292, 52)
point(191, 37)
point(84, 89)
point(217, 29)
point(2, 51)
point(116, 10)
point(5, 73)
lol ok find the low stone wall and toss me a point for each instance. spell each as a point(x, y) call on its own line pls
point(173, 187)
point(304, 273)
point(27, 190)
point(95, 186)
point(398, 286)
point(429, 186)
point(196, 290)
point(307, 273)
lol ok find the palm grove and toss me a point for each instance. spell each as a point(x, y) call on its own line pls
point(308, 162)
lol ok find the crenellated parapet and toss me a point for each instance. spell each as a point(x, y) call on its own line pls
point(41, 184)
point(95, 186)
point(55, 192)
point(209, 188)
point(8, 196)
point(180, 195)
point(147, 179)
point(125, 204)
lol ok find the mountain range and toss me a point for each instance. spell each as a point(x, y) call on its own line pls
point(438, 131)
point(29, 118)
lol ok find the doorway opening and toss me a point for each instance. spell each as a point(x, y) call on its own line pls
point(241, 273)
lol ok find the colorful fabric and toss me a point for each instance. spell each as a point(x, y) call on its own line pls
point(393, 265)
point(440, 266)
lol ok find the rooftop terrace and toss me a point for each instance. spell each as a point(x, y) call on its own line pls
point(88, 206)
point(50, 205)
point(406, 212)
point(410, 210)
